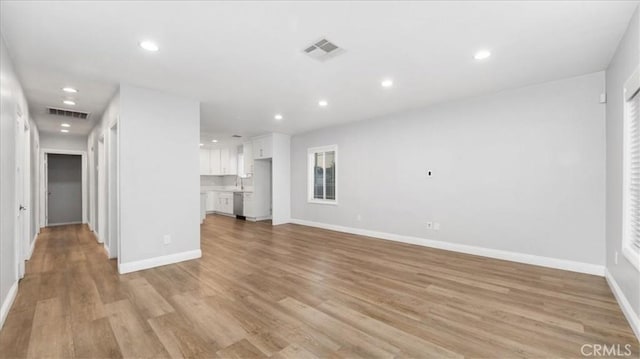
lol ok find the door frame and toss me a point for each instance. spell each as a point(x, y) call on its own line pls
point(44, 181)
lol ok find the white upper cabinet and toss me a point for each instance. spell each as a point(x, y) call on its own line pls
point(218, 162)
point(205, 162)
point(229, 161)
point(262, 147)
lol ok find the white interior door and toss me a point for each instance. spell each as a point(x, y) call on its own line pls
point(21, 205)
point(26, 193)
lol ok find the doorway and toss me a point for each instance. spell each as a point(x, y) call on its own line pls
point(64, 189)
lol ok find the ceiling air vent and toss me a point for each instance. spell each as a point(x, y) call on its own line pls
point(323, 50)
point(236, 136)
point(66, 113)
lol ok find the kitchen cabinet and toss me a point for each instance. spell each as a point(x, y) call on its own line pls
point(219, 161)
point(247, 151)
point(229, 161)
point(225, 202)
point(211, 201)
point(262, 147)
point(205, 162)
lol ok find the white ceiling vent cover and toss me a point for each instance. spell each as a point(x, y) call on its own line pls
point(66, 113)
point(323, 50)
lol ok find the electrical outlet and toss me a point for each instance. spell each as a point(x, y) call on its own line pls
point(359, 217)
point(167, 239)
point(429, 225)
point(436, 226)
point(615, 257)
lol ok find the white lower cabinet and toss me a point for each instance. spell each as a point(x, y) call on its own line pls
point(225, 203)
point(211, 201)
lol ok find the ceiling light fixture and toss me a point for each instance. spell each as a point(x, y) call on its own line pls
point(387, 83)
point(202, 144)
point(69, 102)
point(323, 103)
point(482, 54)
point(278, 117)
point(69, 89)
point(65, 125)
point(214, 141)
point(64, 131)
point(149, 46)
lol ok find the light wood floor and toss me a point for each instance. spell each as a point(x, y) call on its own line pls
point(298, 292)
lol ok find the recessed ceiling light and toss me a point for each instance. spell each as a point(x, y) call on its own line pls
point(278, 117)
point(149, 46)
point(69, 89)
point(202, 144)
point(69, 102)
point(387, 83)
point(63, 130)
point(482, 54)
point(323, 103)
point(214, 141)
point(65, 125)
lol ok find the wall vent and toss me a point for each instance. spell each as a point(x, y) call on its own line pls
point(66, 113)
point(323, 50)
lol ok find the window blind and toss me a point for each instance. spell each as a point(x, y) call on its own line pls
point(632, 152)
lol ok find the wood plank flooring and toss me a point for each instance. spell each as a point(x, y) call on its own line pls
point(297, 292)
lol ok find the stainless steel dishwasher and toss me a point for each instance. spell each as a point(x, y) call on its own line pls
point(238, 204)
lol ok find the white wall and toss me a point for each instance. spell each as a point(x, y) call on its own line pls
point(281, 179)
point(519, 171)
point(61, 141)
point(159, 177)
point(625, 61)
point(11, 98)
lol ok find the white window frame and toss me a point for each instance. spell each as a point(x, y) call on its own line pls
point(631, 90)
point(311, 152)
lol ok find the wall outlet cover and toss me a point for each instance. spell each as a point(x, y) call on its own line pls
point(167, 239)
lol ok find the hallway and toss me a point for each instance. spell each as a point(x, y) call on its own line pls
point(295, 291)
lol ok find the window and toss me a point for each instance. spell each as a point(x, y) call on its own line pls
point(323, 184)
point(631, 189)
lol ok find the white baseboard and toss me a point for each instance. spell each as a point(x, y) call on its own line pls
point(556, 263)
point(106, 249)
point(8, 302)
point(158, 261)
point(33, 246)
point(627, 309)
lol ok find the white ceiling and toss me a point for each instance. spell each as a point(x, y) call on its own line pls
point(244, 60)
